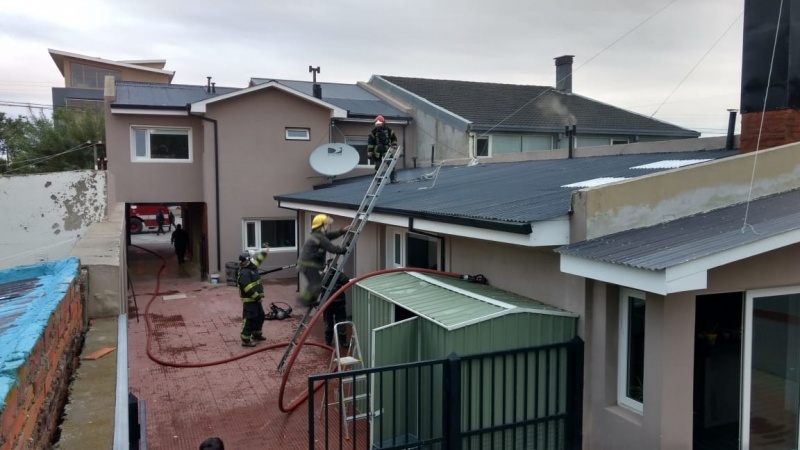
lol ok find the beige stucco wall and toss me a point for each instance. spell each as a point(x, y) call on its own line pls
point(102, 251)
point(256, 163)
point(669, 355)
point(126, 74)
point(669, 195)
point(153, 182)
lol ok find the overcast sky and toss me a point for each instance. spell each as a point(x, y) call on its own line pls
point(691, 47)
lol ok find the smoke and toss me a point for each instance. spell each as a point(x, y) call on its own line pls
point(552, 104)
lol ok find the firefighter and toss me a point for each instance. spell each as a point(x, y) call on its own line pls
point(312, 257)
point(380, 139)
point(336, 312)
point(251, 292)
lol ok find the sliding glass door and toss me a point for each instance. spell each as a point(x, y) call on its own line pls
point(771, 369)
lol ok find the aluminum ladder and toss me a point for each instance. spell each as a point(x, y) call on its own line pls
point(381, 179)
point(351, 394)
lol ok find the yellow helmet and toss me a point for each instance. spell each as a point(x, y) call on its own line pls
point(320, 220)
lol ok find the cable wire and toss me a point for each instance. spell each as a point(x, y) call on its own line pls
point(45, 158)
point(761, 125)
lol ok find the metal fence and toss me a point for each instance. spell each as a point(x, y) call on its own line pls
point(529, 398)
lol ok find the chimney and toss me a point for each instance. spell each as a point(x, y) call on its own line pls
point(764, 25)
point(318, 91)
point(731, 128)
point(208, 85)
point(213, 88)
point(564, 73)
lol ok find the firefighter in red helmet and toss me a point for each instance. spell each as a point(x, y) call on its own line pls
point(380, 139)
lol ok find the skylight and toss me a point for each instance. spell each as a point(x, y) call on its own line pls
point(594, 182)
point(671, 163)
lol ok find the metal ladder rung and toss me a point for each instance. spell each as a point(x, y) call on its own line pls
point(347, 361)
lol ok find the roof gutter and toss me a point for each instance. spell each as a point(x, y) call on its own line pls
point(216, 177)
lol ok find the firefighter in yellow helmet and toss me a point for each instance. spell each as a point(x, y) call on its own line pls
point(312, 257)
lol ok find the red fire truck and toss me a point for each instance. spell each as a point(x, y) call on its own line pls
point(143, 218)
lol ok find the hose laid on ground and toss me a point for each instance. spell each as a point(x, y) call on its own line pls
point(301, 341)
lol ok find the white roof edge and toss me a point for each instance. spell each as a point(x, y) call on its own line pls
point(200, 107)
point(110, 62)
point(143, 61)
point(688, 276)
point(149, 112)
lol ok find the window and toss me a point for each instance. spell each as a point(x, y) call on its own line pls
point(482, 146)
point(509, 143)
point(83, 76)
point(277, 233)
point(422, 251)
point(161, 144)
point(618, 141)
point(630, 367)
point(297, 134)
point(360, 144)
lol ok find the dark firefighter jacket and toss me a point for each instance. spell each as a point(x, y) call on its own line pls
point(313, 253)
point(249, 281)
point(380, 139)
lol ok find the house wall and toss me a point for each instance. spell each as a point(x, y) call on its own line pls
point(448, 142)
point(669, 195)
point(153, 182)
point(45, 215)
point(669, 356)
point(257, 162)
point(126, 74)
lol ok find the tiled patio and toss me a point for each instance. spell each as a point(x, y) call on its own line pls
point(236, 400)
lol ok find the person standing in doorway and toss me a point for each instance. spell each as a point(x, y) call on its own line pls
point(180, 239)
point(160, 221)
point(171, 220)
point(380, 139)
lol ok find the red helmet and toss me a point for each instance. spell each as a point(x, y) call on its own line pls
point(379, 121)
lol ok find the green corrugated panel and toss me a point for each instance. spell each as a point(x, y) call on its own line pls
point(450, 308)
point(369, 312)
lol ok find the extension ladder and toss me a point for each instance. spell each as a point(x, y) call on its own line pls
point(351, 394)
point(381, 178)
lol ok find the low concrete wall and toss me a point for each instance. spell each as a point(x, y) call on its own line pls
point(102, 251)
point(38, 350)
point(44, 215)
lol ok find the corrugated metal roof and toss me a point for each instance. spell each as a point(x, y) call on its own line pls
point(450, 302)
point(356, 100)
point(506, 193)
point(690, 238)
point(524, 106)
point(130, 93)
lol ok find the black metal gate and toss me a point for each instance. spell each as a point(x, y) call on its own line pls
point(529, 398)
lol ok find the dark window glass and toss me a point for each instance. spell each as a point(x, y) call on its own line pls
point(278, 233)
point(169, 146)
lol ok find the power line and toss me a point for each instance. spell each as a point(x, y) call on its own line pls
point(34, 161)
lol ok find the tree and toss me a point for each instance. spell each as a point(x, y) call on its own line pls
point(39, 144)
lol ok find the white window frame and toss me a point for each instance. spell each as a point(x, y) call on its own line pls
point(393, 260)
point(256, 221)
point(622, 357)
point(306, 134)
point(153, 129)
point(359, 140)
point(397, 260)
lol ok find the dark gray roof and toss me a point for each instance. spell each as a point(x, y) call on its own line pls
point(504, 196)
point(489, 105)
point(159, 95)
point(679, 241)
point(358, 102)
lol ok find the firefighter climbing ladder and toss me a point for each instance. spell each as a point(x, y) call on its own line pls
point(382, 176)
point(351, 394)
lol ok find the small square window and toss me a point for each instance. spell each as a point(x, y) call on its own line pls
point(297, 134)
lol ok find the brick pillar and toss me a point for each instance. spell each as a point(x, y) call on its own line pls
point(780, 127)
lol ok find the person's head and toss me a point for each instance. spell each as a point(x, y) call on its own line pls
point(212, 443)
point(379, 121)
point(321, 222)
point(178, 226)
point(244, 258)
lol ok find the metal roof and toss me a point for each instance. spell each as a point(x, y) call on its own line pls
point(356, 100)
point(159, 95)
point(502, 196)
point(506, 107)
point(450, 302)
point(679, 241)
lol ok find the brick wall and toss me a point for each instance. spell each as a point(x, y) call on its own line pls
point(780, 127)
point(34, 406)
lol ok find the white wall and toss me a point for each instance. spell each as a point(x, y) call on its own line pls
point(42, 216)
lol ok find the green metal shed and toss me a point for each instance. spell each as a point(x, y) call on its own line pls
point(406, 317)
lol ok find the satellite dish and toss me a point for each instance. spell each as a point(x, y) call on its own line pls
point(334, 159)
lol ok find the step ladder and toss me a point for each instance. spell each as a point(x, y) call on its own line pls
point(381, 179)
point(351, 394)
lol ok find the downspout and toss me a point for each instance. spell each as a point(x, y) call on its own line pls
point(216, 176)
point(405, 146)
